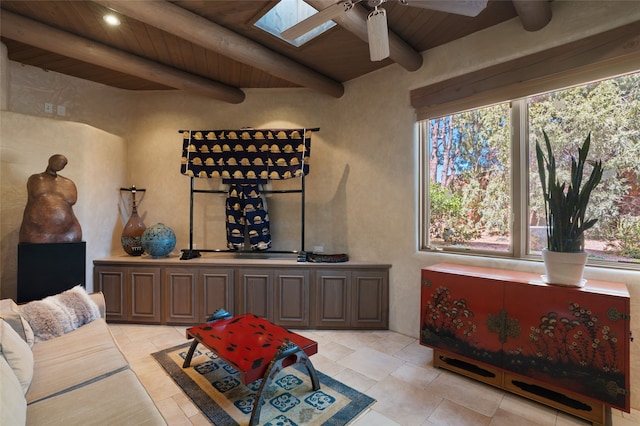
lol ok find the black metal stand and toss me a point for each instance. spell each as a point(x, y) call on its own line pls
point(192, 253)
point(288, 354)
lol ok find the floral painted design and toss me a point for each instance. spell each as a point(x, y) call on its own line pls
point(576, 348)
point(449, 323)
point(447, 316)
point(579, 338)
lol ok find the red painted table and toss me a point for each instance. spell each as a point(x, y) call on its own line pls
point(255, 347)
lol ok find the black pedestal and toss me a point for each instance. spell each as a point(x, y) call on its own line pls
point(48, 269)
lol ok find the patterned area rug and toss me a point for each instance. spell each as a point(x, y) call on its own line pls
point(216, 388)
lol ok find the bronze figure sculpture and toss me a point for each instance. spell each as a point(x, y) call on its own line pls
point(48, 215)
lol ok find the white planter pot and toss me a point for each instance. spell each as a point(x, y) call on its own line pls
point(564, 268)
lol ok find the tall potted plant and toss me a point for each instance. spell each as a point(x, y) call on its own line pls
point(565, 207)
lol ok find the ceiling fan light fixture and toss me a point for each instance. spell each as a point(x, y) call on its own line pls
point(378, 34)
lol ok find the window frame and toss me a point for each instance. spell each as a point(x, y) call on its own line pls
point(519, 193)
point(425, 205)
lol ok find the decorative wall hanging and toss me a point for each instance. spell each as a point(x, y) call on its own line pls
point(245, 159)
point(246, 156)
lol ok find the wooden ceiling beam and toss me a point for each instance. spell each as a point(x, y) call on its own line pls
point(534, 14)
point(18, 28)
point(198, 30)
point(355, 21)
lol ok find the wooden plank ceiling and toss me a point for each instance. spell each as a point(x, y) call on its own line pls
point(337, 55)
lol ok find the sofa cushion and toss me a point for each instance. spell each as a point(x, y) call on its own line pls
point(75, 358)
point(56, 315)
point(10, 312)
point(98, 299)
point(17, 353)
point(13, 405)
point(118, 399)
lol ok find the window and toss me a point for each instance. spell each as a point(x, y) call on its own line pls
point(480, 186)
point(469, 184)
point(286, 14)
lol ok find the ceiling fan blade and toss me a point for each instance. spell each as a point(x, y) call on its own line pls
point(458, 7)
point(313, 21)
point(378, 35)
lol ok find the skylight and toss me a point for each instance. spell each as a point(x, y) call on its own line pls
point(286, 14)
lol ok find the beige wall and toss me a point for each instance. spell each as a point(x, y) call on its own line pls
point(97, 164)
point(362, 189)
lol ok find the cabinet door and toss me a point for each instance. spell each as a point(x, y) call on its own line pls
point(182, 296)
point(370, 295)
point(291, 297)
point(113, 285)
point(256, 292)
point(218, 287)
point(571, 339)
point(463, 315)
point(333, 298)
point(144, 291)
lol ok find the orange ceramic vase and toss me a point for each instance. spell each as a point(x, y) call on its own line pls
point(131, 238)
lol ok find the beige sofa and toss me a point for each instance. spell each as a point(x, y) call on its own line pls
point(78, 378)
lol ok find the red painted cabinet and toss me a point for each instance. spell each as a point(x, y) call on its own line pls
point(567, 347)
point(455, 315)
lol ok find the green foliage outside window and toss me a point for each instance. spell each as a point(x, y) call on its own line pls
point(448, 222)
point(470, 171)
point(627, 238)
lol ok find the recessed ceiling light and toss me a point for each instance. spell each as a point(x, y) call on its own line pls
point(111, 20)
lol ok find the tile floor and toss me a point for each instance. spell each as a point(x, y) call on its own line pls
point(390, 367)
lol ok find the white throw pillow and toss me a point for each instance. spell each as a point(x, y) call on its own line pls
point(56, 315)
point(10, 313)
point(13, 404)
point(18, 355)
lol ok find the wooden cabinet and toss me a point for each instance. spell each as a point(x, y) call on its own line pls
point(370, 299)
point(131, 294)
point(181, 295)
point(255, 292)
point(218, 290)
point(333, 299)
point(288, 293)
point(279, 295)
point(145, 295)
point(562, 346)
point(292, 297)
point(351, 299)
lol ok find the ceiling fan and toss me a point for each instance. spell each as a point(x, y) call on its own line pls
point(377, 30)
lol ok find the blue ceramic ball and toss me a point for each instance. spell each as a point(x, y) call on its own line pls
point(158, 240)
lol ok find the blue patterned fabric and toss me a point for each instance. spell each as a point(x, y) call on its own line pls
point(246, 156)
point(244, 159)
point(245, 208)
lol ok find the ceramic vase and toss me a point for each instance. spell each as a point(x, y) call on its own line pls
point(158, 240)
point(131, 238)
